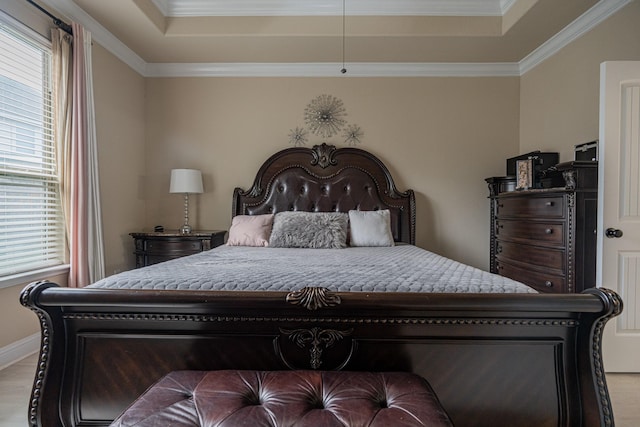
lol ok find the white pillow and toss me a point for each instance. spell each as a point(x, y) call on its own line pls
point(370, 228)
point(250, 230)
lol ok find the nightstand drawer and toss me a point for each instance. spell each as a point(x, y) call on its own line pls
point(540, 233)
point(155, 247)
point(538, 207)
point(189, 246)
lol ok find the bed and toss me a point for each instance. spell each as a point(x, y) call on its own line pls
point(496, 353)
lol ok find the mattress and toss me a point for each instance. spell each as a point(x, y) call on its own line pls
point(401, 268)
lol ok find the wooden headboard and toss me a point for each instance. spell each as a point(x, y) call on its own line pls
point(328, 179)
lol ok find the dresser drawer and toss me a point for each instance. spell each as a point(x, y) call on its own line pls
point(540, 233)
point(540, 281)
point(531, 207)
point(552, 259)
point(173, 246)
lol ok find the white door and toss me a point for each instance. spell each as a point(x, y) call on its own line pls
point(619, 209)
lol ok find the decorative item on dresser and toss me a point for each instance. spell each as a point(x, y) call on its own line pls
point(155, 247)
point(546, 237)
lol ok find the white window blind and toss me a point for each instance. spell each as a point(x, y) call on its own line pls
point(31, 225)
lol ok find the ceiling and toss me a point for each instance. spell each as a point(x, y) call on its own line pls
point(157, 36)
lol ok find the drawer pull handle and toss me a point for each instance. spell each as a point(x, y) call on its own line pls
point(548, 284)
point(549, 204)
point(548, 231)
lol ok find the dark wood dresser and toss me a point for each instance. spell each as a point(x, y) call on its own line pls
point(155, 247)
point(546, 237)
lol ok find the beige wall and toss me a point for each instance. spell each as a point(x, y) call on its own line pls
point(559, 98)
point(439, 136)
point(17, 321)
point(120, 128)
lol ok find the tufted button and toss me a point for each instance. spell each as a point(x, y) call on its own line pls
point(270, 209)
point(382, 402)
point(252, 398)
point(281, 188)
point(315, 401)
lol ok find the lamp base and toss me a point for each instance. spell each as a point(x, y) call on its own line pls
point(186, 229)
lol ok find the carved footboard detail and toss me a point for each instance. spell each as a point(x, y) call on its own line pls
point(613, 307)
point(28, 299)
point(318, 339)
point(313, 298)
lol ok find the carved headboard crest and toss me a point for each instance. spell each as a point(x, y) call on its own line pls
point(323, 155)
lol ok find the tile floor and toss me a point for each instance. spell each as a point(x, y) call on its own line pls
point(16, 380)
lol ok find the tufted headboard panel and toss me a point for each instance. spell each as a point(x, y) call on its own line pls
point(327, 179)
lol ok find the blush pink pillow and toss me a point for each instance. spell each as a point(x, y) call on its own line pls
point(250, 230)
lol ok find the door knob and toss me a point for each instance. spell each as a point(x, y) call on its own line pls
point(613, 232)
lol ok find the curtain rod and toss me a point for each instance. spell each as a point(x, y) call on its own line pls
point(57, 21)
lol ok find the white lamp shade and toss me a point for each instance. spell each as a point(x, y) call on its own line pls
point(186, 181)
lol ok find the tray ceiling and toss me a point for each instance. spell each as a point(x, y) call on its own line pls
point(311, 32)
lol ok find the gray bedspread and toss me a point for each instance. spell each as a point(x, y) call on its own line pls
point(402, 268)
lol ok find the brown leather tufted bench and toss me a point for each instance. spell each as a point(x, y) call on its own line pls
point(286, 398)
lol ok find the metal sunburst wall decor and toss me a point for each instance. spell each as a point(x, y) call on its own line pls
point(298, 136)
point(325, 117)
point(352, 135)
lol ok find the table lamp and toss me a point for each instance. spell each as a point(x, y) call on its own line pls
point(186, 181)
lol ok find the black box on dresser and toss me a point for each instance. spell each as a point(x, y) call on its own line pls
point(546, 237)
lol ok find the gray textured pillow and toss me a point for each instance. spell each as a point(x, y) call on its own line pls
point(317, 230)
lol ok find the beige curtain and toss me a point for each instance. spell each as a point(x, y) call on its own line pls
point(75, 137)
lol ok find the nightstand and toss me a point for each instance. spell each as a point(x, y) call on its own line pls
point(154, 247)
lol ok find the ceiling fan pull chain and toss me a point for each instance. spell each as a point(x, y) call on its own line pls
point(344, 69)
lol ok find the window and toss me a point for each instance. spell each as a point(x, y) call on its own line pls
point(31, 225)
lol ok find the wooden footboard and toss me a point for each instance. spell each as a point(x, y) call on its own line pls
point(493, 359)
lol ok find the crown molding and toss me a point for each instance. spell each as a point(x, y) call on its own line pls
point(183, 8)
point(594, 16)
point(333, 70)
point(99, 34)
point(590, 19)
point(505, 5)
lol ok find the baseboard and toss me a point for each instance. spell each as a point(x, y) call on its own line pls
point(18, 350)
